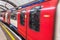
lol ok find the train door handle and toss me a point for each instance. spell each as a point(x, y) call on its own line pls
point(25, 16)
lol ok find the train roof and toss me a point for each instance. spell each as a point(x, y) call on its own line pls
point(30, 4)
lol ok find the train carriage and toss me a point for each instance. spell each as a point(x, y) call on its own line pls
point(36, 21)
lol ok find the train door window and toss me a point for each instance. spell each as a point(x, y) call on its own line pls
point(22, 17)
point(34, 18)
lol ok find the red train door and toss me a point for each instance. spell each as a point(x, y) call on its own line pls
point(40, 21)
point(22, 22)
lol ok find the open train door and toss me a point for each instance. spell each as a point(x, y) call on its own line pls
point(41, 20)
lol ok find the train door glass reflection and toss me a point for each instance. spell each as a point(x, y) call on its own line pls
point(13, 19)
point(22, 17)
point(34, 18)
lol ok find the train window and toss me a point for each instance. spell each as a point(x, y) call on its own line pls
point(13, 19)
point(13, 16)
point(34, 18)
point(22, 17)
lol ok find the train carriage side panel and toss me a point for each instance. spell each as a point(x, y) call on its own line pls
point(43, 27)
point(39, 22)
point(40, 26)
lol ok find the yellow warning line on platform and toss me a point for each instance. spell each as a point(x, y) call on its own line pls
point(3, 26)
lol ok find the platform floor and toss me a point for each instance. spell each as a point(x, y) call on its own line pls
point(2, 35)
point(7, 34)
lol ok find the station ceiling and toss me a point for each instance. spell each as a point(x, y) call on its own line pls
point(9, 4)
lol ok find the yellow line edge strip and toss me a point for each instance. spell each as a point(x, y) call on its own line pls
point(7, 31)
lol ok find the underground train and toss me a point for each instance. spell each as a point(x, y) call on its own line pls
point(35, 20)
point(6, 17)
